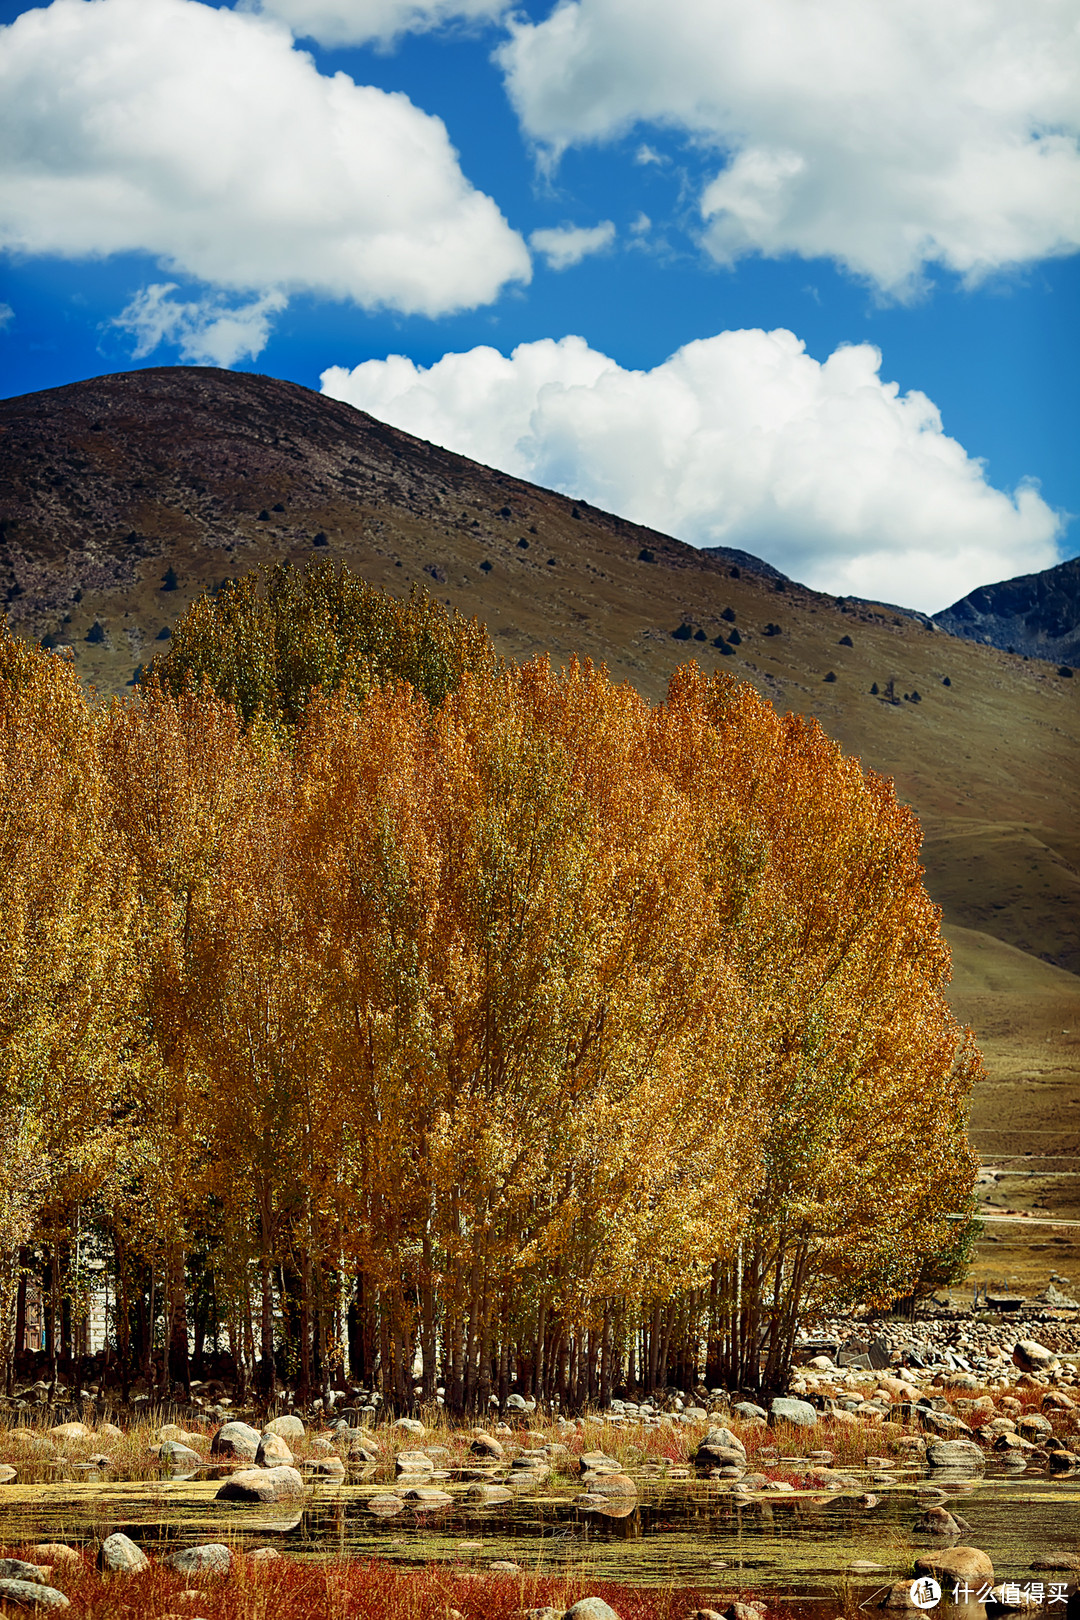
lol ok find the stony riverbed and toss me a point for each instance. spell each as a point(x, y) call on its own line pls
point(852, 1483)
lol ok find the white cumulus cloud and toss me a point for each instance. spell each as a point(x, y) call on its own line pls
point(7, 315)
point(204, 138)
point(741, 439)
point(360, 22)
point(207, 331)
point(565, 245)
point(888, 135)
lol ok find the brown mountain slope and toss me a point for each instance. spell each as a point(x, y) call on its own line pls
point(106, 485)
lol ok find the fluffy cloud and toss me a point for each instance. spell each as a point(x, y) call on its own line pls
point(358, 22)
point(203, 137)
point(565, 245)
point(7, 314)
point(741, 439)
point(208, 332)
point(886, 135)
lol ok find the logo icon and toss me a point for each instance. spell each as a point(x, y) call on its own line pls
point(925, 1593)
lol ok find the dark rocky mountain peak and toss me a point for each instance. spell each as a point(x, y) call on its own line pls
point(1036, 614)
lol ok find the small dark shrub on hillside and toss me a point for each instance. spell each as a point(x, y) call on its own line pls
point(96, 632)
point(845, 641)
point(683, 633)
point(728, 615)
point(164, 633)
point(1066, 671)
point(831, 676)
point(169, 581)
point(645, 555)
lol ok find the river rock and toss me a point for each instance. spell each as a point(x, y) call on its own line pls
point(749, 1412)
point(726, 1439)
point(1057, 1560)
point(707, 1458)
point(428, 1496)
point(173, 1431)
point(598, 1462)
point(56, 1552)
point(1031, 1356)
point(8, 1475)
point(211, 1558)
point(411, 1426)
point(414, 1462)
point(1063, 1462)
point(955, 1454)
point(899, 1596)
point(956, 1564)
point(281, 1484)
point(488, 1495)
point(273, 1451)
point(590, 1608)
point(17, 1569)
point(943, 1424)
point(385, 1505)
point(359, 1452)
point(236, 1440)
point(70, 1431)
point(937, 1521)
point(486, 1445)
point(174, 1455)
point(785, 1409)
point(288, 1426)
point(1034, 1423)
point(29, 1595)
point(612, 1485)
point(326, 1468)
point(118, 1555)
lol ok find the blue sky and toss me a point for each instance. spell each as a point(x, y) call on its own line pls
point(820, 256)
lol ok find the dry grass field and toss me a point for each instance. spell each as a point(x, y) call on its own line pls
point(208, 473)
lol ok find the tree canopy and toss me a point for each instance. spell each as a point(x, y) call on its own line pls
point(420, 1003)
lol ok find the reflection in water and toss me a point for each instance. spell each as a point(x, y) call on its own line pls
point(676, 1529)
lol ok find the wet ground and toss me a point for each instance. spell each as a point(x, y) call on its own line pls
point(682, 1530)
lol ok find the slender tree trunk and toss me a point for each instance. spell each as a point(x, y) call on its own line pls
point(20, 1325)
point(267, 1367)
point(53, 1320)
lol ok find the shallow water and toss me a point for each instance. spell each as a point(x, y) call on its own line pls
point(690, 1531)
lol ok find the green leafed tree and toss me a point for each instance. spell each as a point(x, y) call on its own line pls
point(266, 642)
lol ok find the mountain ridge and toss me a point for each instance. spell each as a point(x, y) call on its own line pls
point(1033, 615)
point(125, 497)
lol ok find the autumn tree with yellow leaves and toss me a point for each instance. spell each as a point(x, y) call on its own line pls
point(426, 1005)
